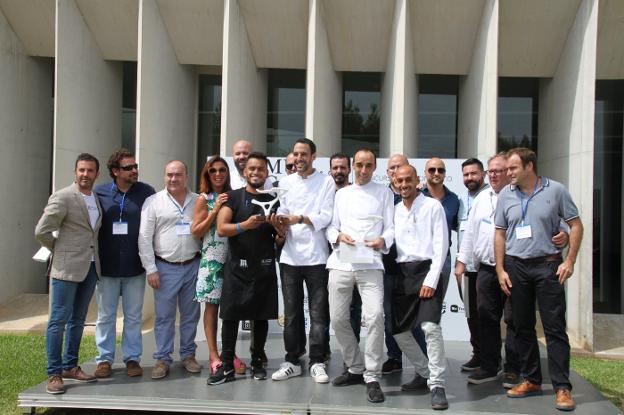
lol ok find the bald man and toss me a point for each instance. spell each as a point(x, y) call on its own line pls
point(170, 256)
point(240, 153)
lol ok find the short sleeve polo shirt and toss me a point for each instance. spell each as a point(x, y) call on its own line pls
point(543, 211)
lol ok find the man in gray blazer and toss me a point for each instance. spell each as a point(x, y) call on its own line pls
point(75, 213)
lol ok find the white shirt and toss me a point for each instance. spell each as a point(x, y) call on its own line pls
point(313, 197)
point(94, 213)
point(478, 242)
point(353, 204)
point(237, 181)
point(466, 204)
point(158, 233)
point(420, 235)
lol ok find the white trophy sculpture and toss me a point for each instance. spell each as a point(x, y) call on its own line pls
point(360, 253)
point(267, 206)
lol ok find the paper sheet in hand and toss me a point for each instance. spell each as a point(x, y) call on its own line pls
point(356, 254)
point(42, 255)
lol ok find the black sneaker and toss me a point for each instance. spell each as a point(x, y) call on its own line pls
point(416, 384)
point(473, 364)
point(480, 376)
point(257, 369)
point(510, 379)
point(391, 366)
point(374, 393)
point(222, 375)
point(348, 379)
point(438, 399)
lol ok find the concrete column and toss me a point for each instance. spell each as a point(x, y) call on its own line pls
point(399, 91)
point(566, 145)
point(323, 88)
point(476, 126)
point(87, 113)
point(166, 100)
point(26, 105)
point(244, 90)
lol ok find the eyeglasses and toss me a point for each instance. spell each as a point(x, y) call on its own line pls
point(495, 172)
point(219, 170)
point(432, 170)
point(129, 167)
point(290, 166)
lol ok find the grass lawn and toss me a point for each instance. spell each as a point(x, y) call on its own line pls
point(23, 362)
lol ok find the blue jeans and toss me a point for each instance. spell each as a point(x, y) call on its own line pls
point(131, 290)
point(68, 310)
point(177, 290)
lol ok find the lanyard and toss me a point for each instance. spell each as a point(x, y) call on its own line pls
point(524, 208)
point(180, 210)
point(123, 200)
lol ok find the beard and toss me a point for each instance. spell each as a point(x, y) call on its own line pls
point(340, 178)
point(256, 185)
point(472, 185)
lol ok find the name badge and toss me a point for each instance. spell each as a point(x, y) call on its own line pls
point(463, 224)
point(523, 231)
point(183, 228)
point(120, 228)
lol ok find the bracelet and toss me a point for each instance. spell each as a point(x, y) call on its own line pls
point(300, 218)
point(239, 230)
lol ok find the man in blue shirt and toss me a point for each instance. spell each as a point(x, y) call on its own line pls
point(122, 272)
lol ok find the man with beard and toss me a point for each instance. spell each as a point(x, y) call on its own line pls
point(474, 181)
point(75, 213)
point(122, 272)
point(170, 255)
point(250, 282)
point(306, 209)
point(417, 295)
point(340, 169)
point(354, 207)
point(240, 152)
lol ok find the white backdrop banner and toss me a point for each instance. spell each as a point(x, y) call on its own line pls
point(454, 326)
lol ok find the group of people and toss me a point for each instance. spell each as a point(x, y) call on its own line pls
point(368, 254)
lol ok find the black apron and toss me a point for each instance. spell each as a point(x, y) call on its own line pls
point(250, 281)
point(408, 309)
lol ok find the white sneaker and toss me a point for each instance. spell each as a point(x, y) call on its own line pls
point(318, 373)
point(286, 370)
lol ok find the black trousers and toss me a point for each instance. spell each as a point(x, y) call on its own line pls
point(229, 334)
point(493, 304)
point(315, 278)
point(536, 279)
point(473, 320)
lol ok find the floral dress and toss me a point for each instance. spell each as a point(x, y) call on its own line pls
point(213, 255)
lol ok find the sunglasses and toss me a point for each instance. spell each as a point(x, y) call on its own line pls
point(220, 170)
point(432, 170)
point(290, 166)
point(129, 167)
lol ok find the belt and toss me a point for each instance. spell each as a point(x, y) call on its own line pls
point(188, 261)
point(539, 259)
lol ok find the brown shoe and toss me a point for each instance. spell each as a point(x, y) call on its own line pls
point(77, 374)
point(103, 370)
point(191, 365)
point(524, 389)
point(564, 401)
point(55, 385)
point(160, 370)
point(134, 369)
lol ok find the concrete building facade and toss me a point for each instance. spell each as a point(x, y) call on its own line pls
point(185, 79)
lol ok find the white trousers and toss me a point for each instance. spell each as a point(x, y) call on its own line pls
point(370, 287)
point(432, 369)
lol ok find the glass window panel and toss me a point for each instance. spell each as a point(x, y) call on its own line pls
point(517, 113)
point(208, 118)
point(437, 116)
point(361, 111)
point(128, 110)
point(607, 218)
point(286, 110)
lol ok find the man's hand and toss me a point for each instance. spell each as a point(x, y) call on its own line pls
point(565, 271)
point(561, 239)
point(343, 237)
point(426, 292)
point(289, 219)
point(153, 280)
point(460, 268)
point(253, 222)
point(505, 283)
point(376, 244)
point(280, 226)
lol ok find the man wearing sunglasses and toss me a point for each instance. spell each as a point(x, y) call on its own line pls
point(122, 272)
point(435, 173)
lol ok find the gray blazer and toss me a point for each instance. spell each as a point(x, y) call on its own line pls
point(77, 242)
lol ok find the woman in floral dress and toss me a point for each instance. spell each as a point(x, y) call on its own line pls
point(213, 185)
